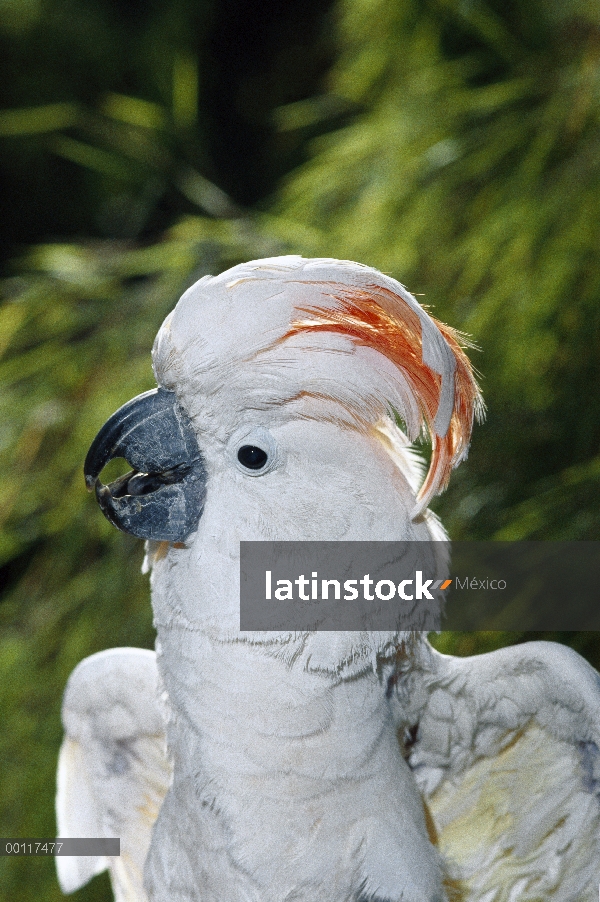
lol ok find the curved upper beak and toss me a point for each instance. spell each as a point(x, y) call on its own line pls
point(162, 498)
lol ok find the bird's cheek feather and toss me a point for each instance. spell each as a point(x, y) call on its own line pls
point(162, 498)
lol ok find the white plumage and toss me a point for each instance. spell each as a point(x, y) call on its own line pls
point(292, 774)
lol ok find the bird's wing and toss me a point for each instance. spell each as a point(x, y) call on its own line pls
point(113, 770)
point(505, 749)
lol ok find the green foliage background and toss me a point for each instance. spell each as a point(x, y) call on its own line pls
point(453, 144)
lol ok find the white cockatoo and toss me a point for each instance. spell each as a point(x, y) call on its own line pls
point(312, 766)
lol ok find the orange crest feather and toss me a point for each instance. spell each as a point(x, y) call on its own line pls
point(361, 317)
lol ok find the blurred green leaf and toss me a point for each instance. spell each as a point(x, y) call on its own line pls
point(133, 110)
point(185, 90)
point(36, 120)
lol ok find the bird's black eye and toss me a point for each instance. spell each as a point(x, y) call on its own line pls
point(252, 458)
point(254, 451)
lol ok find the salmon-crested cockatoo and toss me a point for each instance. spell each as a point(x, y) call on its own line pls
point(312, 766)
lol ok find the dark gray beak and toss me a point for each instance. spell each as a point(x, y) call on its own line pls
point(162, 498)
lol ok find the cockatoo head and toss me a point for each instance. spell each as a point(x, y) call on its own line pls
point(281, 383)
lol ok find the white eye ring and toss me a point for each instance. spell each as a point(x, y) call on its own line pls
point(245, 447)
